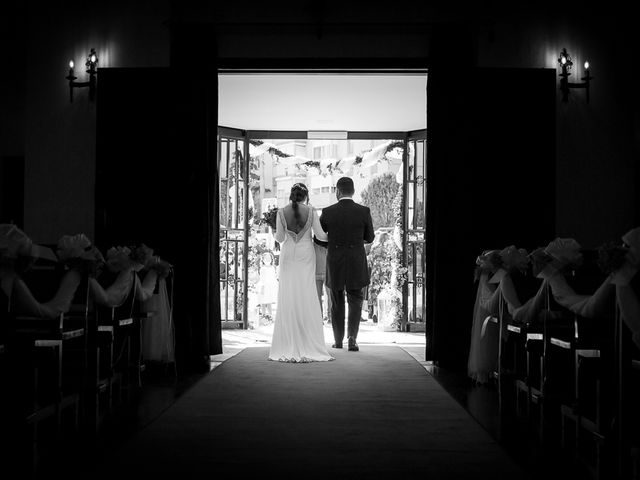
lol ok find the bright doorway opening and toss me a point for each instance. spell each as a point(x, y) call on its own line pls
point(279, 129)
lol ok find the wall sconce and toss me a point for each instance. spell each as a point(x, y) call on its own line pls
point(565, 85)
point(91, 64)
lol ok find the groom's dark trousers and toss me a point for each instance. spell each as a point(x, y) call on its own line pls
point(348, 226)
point(354, 300)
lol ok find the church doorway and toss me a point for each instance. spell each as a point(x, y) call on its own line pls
point(273, 132)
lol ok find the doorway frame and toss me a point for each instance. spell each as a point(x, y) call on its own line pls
point(414, 66)
point(232, 133)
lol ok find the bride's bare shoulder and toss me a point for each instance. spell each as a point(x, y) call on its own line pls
point(287, 209)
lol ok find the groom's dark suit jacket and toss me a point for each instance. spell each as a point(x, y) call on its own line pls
point(348, 226)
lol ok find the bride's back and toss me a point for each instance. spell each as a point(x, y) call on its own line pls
point(296, 224)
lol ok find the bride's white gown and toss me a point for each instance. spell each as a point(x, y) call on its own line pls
point(298, 333)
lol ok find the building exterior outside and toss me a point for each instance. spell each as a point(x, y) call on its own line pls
point(319, 164)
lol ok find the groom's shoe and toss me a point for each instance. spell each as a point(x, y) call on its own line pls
point(337, 345)
point(353, 346)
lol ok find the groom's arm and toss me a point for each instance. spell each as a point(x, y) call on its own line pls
point(369, 235)
point(323, 222)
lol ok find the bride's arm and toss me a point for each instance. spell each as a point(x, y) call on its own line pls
point(317, 228)
point(280, 228)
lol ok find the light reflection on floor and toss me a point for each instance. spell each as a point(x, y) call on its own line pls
point(235, 340)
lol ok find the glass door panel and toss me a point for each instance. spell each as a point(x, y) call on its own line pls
point(415, 208)
point(233, 215)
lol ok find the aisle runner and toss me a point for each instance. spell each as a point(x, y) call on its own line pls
point(370, 414)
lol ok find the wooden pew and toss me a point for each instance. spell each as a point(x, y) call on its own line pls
point(634, 424)
point(579, 361)
point(122, 325)
point(518, 342)
point(536, 385)
point(626, 425)
point(527, 349)
point(47, 360)
point(101, 381)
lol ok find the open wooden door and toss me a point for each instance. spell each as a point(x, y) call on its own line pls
point(491, 184)
point(155, 184)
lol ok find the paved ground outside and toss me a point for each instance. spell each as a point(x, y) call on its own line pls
point(235, 340)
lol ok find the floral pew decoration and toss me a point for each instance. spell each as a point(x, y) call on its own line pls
point(119, 263)
point(126, 263)
point(15, 255)
point(505, 265)
point(143, 257)
point(566, 255)
point(75, 253)
point(155, 269)
point(523, 312)
point(624, 263)
point(487, 274)
point(14, 245)
point(517, 265)
point(513, 261)
point(157, 329)
point(499, 274)
point(483, 348)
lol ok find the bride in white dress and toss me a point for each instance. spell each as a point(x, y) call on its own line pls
point(298, 333)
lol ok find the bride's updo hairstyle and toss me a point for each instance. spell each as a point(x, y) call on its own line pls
point(299, 193)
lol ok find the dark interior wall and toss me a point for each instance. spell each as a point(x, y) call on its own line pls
point(12, 115)
point(60, 136)
point(12, 190)
point(13, 41)
point(597, 143)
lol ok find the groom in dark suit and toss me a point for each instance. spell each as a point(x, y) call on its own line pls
point(349, 227)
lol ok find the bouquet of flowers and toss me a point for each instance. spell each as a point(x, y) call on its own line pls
point(269, 217)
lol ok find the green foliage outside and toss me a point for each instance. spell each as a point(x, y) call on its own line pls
point(378, 196)
point(379, 258)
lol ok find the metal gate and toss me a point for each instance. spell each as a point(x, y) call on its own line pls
point(233, 171)
point(235, 216)
point(415, 166)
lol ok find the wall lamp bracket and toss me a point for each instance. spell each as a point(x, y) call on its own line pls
point(565, 63)
point(91, 64)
